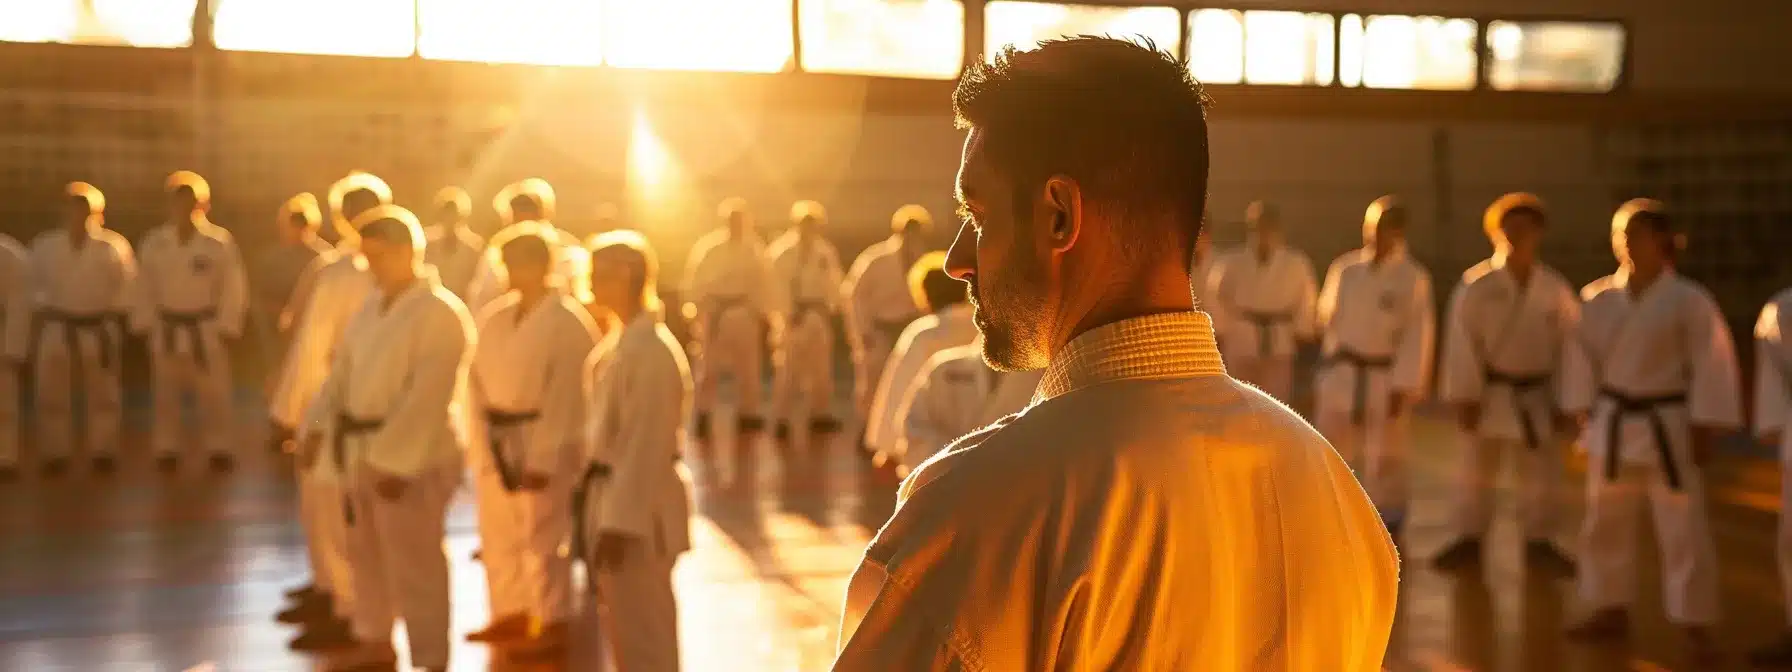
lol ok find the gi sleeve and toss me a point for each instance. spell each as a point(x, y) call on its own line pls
point(293, 315)
point(319, 417)
point(488, 282)
point(1306, 325)
point(1712, 399)
point(835, 277)
point(898, 374)
point(126, 296)
point(233, 294)
point(1461, 373)
point(435, 372)
point(853, 297)
point(1412, 357)
point(1771, 402)
point(560, 430)
point(642, 440)
point(1572, 362)
point(1327, 303)
point(925, 424)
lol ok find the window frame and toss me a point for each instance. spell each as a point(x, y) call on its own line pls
point(1484, 52)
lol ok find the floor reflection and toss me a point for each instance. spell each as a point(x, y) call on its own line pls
point(141, 571)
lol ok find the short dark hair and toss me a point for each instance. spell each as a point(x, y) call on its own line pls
point(1125, 120)
point(942, 290)
point(391, 224)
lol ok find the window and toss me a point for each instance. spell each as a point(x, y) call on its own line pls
point(136, 23)
point(1025, 24)
point(346, 27)
point(1554, 56)
point(546, 32)
point(1216, 46)
point(1260, 47)
point(733, 35)
point(898, 38)
point(1406, 52)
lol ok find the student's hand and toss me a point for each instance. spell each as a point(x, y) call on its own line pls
point(533, 481)
point(1396, 404)
point(1468, 415)
point(389, 487)
point(609, 553)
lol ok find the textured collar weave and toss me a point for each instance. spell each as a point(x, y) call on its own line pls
point(1168, 345)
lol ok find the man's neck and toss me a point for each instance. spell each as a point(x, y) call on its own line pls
point(1156, 295)
point(79, 235)
point(1640, 280)
point(392, 290)
point(185, 228)
point(1264, 252)
point(1520, 267)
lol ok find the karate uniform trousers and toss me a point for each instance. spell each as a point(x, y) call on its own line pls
point(188, 356)
point(805, 377)
point(1353, 415)
point(85, 346)
point(1536, 460)
point(733, 345)
point(1256, 361)
point(520, 535)
point(641, 612)
point(400, 569)
point(321, 498)
point(1618, 489)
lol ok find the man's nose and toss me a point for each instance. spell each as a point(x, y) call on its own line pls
point(961, 257)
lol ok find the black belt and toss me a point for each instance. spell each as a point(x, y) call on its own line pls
point(806, 308)
point(1647, 406)
point(349, 426)
point(73, 324)
point(1266, 323)
point(580, 493)
point(176, 323)
point(508, 475)
point(1520, 386)
point(1362, 364)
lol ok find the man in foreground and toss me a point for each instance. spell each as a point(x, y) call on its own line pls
point(1147, 511)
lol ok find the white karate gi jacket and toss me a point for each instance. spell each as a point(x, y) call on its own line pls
point(879, 304)
point(458, 255)
point(955, 394)
point(1244, 288)
point(98, 278)
point(337, 287)
point(536, 366)
point(1504, 348)
point(572, 271)
point(1147, 512)
point(405, 366)
point(640, 394)
point(805, 280)
point(726, 273)
point(1375, 311)
point(179, 281)
point(924, 338)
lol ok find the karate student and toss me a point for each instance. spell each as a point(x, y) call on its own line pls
point(1661, 384)
point(273, 273)
point(948, 325)
point(1773, 409)
point(955, 394)
point(531, 200)
point(15, 335)
point(328, 296)
point(453, 248)
point(192, 292)
point(1379, 328)
point(633, 502)
point(807, 276)
point(1147, 512)
point(1266, 292)
point(880, 302)
point(728, 287)
point(84, 277)
point(392, 414)
point(528, 381)
point(1511, 322)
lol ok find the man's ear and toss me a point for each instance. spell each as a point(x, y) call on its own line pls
point(1063, 200)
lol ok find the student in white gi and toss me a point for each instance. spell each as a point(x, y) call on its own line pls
point(454, 249)
point(528, 386)
point(1146, 512)
point(880, 303)
point(728, 287)
point(84, 277)
point(531, 200)
point(1265, 292)
point(191, 296)
point(393, 414)
point(327, 297)
point(957, 393)
point(15, 336)
point(1511, 322)
point(633, 502)
point(1379, 328)
point(807, 275)
point(1661, 384)
point(948, 325)
point(274, 270)
point(1773, 411)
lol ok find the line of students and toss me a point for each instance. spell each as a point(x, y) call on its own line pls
point(1640, 365)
